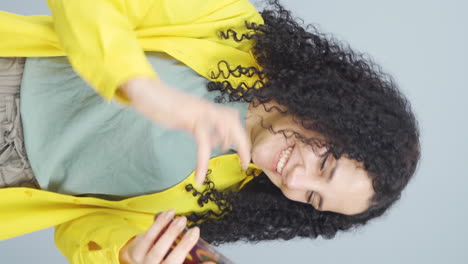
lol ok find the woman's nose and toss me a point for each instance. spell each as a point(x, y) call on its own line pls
point(293, 181)
point(306, 173)
point(302, 179)
point(306, 177)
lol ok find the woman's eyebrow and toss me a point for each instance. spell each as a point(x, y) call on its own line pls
point(333, 170)
point(332, 174)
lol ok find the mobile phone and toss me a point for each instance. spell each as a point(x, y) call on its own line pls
point(201, 252)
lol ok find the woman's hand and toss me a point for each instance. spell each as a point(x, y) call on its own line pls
point(152, 246)
point(208, 123)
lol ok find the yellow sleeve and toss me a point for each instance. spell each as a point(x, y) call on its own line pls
point(99, 39)
point(95, 238)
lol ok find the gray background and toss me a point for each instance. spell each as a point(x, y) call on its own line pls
point(423, 44)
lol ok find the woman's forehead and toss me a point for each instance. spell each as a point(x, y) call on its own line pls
point(356, 185)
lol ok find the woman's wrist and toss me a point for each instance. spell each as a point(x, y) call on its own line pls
point(159, 102)
point(124, 257)
point(150, 97)
point(134, 87)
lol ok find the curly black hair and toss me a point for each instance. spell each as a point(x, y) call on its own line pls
point(329, 89)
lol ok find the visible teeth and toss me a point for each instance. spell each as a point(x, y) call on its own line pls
point(283, 158)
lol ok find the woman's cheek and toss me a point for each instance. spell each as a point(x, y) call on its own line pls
point(259, 157)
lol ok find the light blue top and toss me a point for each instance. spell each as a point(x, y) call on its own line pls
point(79, 144)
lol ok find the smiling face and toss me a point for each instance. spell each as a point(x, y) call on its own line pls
point(302, 173)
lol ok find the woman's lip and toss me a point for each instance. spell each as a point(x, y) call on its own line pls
point(278, 155)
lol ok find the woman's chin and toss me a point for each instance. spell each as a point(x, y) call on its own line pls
point(273, 177)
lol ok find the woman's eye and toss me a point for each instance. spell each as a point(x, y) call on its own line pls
point(313, 200)
point(318, 204)
point(309, 198)
point(322, 166)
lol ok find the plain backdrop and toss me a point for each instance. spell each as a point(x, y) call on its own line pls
point(423, 44)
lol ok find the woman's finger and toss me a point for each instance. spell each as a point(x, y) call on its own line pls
point(217, 133)
point(164, 243)
point(202, 137)
point(224, 134)
point(214, 140)
point(179, 253)
point(243, 146)
point(145, 241)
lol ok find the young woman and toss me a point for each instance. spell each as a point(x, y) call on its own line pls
point(331, 139)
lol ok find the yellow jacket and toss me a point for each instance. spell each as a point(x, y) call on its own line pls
point(109, 224)
point(105, 41)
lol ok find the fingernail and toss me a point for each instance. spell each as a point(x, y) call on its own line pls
point(198, 182)
point(180, 221)
point(194, 233)
point(169, 214)
point(157, 215)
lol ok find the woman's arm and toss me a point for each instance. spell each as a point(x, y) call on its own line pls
point(95, 238)
point(99, 40)
point(107, 238)
point(153, 245)
point(210, 124)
